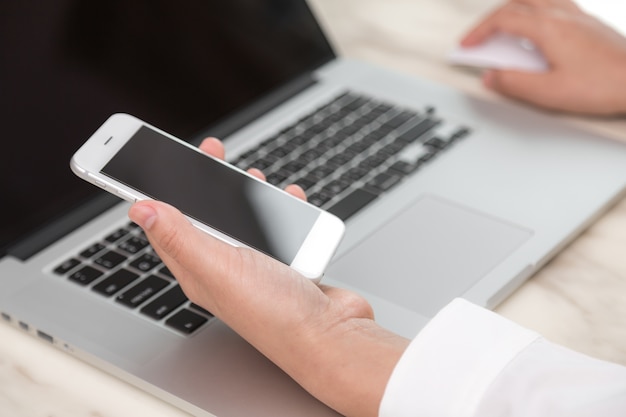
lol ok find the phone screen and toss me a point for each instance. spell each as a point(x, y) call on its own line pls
point(248, 210)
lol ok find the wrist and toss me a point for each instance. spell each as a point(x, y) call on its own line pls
point(351, 365)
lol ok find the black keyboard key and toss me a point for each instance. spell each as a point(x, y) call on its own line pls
point(133, 244)
point(426, 157)
point(383, 181)
point(110, 260)
point(165, 304)
point(382, 131)
point(355, 174)
point(311, 154)
point(461, 133)
point(200, 309)
point(400, 119)
point(115, 282)
point(358, 147)
point(336, 187)
point(321, 172)
point(299, 140)
point(85, 275)
point(263, 163)
point(418, 130)
point(318, 128)
point(279, 152)
point(350, 129)
point(320, 198)
point(92, 250)
point(276, 178)
point(352, 203)
point(436, 143)
point(340, 160)
point(66, 266)
point(143, 291)
point(146, 262)
point(186, 321)
point(373, 161)
point(374, 136)
point(166, 271)
point(403, 167)
point(391, 149)
point(356, 104)
point(332, 141)
point(378, 110)
point(288, 146)
point(293, 166)
point(117, 235)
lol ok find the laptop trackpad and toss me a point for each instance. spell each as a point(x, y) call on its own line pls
point(428, 254)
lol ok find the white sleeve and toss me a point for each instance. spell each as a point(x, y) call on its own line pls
point(471, 362)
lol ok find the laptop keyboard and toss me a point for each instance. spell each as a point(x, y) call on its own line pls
point(345, 155)
point(350, 151)
point(123, 267)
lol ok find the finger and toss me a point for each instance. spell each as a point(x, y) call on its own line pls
point(184, 248)
point(296, 191)
point(257, 173)
point(213, 147)
point(235, 284)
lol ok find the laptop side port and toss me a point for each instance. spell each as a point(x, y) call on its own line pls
point(45, 336)
point(6, 317)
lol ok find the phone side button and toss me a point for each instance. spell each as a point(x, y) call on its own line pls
point(96, 181)
point(126, 196)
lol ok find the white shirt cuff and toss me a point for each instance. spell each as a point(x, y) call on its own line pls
point(451, 363)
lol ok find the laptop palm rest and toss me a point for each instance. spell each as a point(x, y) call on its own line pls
point(432, 242)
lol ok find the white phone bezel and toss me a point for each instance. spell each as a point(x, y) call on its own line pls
point(312, 257)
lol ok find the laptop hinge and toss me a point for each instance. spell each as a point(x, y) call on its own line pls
point(50, 234)
point(241, 118)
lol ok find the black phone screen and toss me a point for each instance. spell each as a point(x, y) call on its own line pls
point(248, 210)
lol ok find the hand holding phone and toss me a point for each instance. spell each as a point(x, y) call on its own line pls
point(136, 161)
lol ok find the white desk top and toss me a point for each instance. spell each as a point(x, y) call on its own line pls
point(578, 300)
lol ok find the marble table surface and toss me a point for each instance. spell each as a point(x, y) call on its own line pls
point(578, 299)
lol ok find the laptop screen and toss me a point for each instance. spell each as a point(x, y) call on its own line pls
point(182, 66)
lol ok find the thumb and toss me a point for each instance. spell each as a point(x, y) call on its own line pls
point(238, 285)
point(188, 252)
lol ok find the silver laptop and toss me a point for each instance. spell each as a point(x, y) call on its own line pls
point(443, 195)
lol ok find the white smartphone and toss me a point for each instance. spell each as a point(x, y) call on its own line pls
point(136, 161)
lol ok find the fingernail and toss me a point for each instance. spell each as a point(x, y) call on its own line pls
point(144, 215)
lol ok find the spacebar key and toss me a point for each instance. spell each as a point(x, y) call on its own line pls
point(352, 203)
